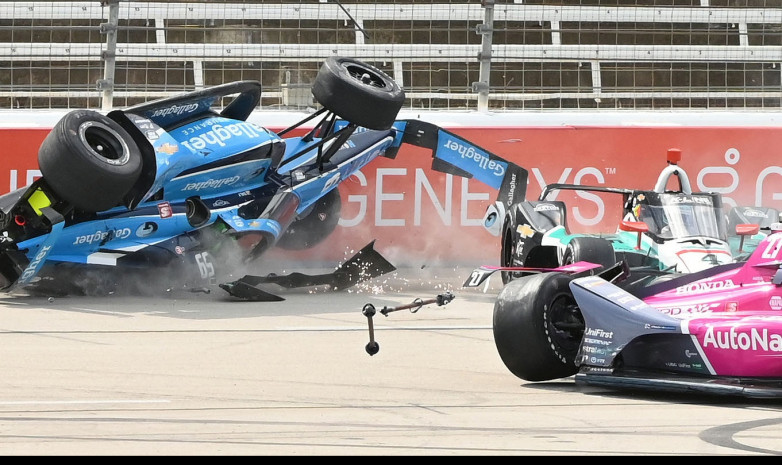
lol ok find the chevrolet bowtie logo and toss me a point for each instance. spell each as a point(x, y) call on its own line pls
point(525, 230)
point(168, 148)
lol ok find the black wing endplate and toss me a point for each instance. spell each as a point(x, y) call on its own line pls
point(366, 264)
point(479, 275)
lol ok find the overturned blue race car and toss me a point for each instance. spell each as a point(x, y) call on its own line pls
point(186, 183)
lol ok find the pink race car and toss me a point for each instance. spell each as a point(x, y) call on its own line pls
point(718, 331)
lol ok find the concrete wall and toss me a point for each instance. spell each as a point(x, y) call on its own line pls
point(420, 216)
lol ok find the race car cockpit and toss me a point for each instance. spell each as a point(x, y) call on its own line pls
point(678, 216)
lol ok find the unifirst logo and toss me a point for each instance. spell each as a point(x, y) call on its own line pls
point(736, 339)
point(483, 161)
point(596, 332)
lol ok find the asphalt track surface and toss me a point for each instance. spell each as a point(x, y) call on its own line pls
point(204, 374)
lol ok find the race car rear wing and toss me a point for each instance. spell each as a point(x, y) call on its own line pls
point(237, 100)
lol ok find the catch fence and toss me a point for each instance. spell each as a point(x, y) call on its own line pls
point(484, 55)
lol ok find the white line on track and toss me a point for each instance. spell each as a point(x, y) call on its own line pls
point(392, 328)
point(77, 402)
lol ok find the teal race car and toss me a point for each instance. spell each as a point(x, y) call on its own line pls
point(662, 230)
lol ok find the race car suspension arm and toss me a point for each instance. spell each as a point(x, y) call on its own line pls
point(300, 123)
point(325, 127)
point(369, 311)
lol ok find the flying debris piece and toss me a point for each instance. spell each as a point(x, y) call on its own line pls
point(366, 264)
point(205, 290)
point(369, 311)
point(242, 290)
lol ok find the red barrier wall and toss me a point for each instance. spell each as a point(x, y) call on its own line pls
point(419, 216)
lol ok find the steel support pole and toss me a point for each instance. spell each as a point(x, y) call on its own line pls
point(109, 55)
point(484, 58)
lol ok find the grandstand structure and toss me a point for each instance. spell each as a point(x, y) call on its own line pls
point(484, 55)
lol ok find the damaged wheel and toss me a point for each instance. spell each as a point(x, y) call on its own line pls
point(89, 160)
point(358, 92)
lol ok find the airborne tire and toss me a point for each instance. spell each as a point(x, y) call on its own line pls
point(537, 327)
point(89, 160)
point(358, 92)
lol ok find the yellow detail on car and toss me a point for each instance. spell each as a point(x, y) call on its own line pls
point(38, 200)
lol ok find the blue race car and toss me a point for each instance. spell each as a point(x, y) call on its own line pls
point(184, 183)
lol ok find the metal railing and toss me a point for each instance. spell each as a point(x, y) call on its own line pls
point(452, 55)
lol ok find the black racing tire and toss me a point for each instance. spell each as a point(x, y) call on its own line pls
point(508, 250)
point(89, 160)
point(358, 92)
point(538, 327)
point(590, 249)
point(314, 225)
